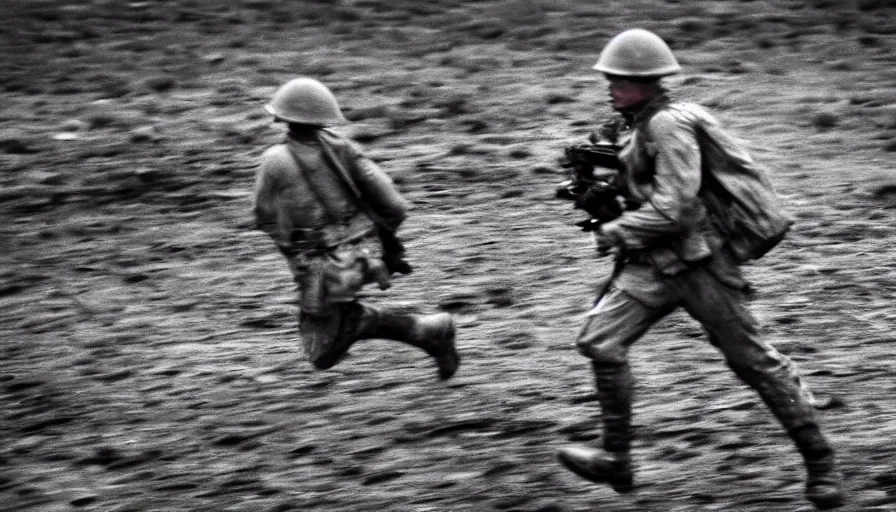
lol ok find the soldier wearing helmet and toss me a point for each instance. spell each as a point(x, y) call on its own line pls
point(332, 212)
point(682, 249)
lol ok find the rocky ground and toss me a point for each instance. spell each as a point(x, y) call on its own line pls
point(149, 351)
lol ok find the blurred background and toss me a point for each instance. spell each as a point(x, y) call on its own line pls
point(150, 360)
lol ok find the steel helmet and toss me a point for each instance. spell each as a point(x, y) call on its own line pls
point(305, 101)
point(637, 53)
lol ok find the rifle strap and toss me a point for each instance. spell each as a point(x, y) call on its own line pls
point(304, 170)
point(618, 264)
point(348, 180)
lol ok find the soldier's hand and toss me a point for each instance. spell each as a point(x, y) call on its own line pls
point(606, 242)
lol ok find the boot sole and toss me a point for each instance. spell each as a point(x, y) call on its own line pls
point(621, 486)
point(827, 503)
point(448, 359)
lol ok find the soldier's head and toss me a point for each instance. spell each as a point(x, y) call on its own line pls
point(634, 62)
point(305, 103)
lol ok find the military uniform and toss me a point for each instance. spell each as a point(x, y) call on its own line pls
point(678, 258)
point(683, 250)
point(324, 204)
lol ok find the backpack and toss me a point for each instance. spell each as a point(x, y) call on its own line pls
point(736, 191)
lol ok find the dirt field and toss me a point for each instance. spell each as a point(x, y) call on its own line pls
point(150, 360)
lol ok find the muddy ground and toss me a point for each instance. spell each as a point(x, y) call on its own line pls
point(149, 352)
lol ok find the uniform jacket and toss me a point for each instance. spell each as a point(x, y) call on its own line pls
point(299, 196)
point(685, 169)
point(316, 220)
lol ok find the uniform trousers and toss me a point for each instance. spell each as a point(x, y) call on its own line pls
point(714, 294)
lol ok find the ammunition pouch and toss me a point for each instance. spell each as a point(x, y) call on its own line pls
point(329, 236)
point(393, 252)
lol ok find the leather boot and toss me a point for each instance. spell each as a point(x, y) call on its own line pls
point(614, 468)
point(823, 480)
point(612, 464)
point(781, 389)
point(615, 390)
point(433, 333)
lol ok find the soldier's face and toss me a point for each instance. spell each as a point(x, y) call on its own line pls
point(627, 93)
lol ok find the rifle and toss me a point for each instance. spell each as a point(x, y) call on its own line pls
point(596, 191)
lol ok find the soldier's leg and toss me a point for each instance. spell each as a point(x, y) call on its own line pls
point(816, 401)
point(328, 337)
point(732, 327)
point(616, 323)
point(434, 334)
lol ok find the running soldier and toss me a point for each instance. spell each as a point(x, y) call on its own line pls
point(683, 247)
point(333, 213)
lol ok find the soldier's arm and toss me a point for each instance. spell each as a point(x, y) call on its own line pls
point(676, 184)
point(265, 199)
point(380, 192)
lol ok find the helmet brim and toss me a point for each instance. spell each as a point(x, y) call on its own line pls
point(311, 122)
point(653, 73)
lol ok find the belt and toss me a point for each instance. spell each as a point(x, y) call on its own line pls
point(311, 240)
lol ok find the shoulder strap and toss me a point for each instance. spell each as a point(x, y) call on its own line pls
point(298, 161)
point(345, 175)
point(393, 249)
